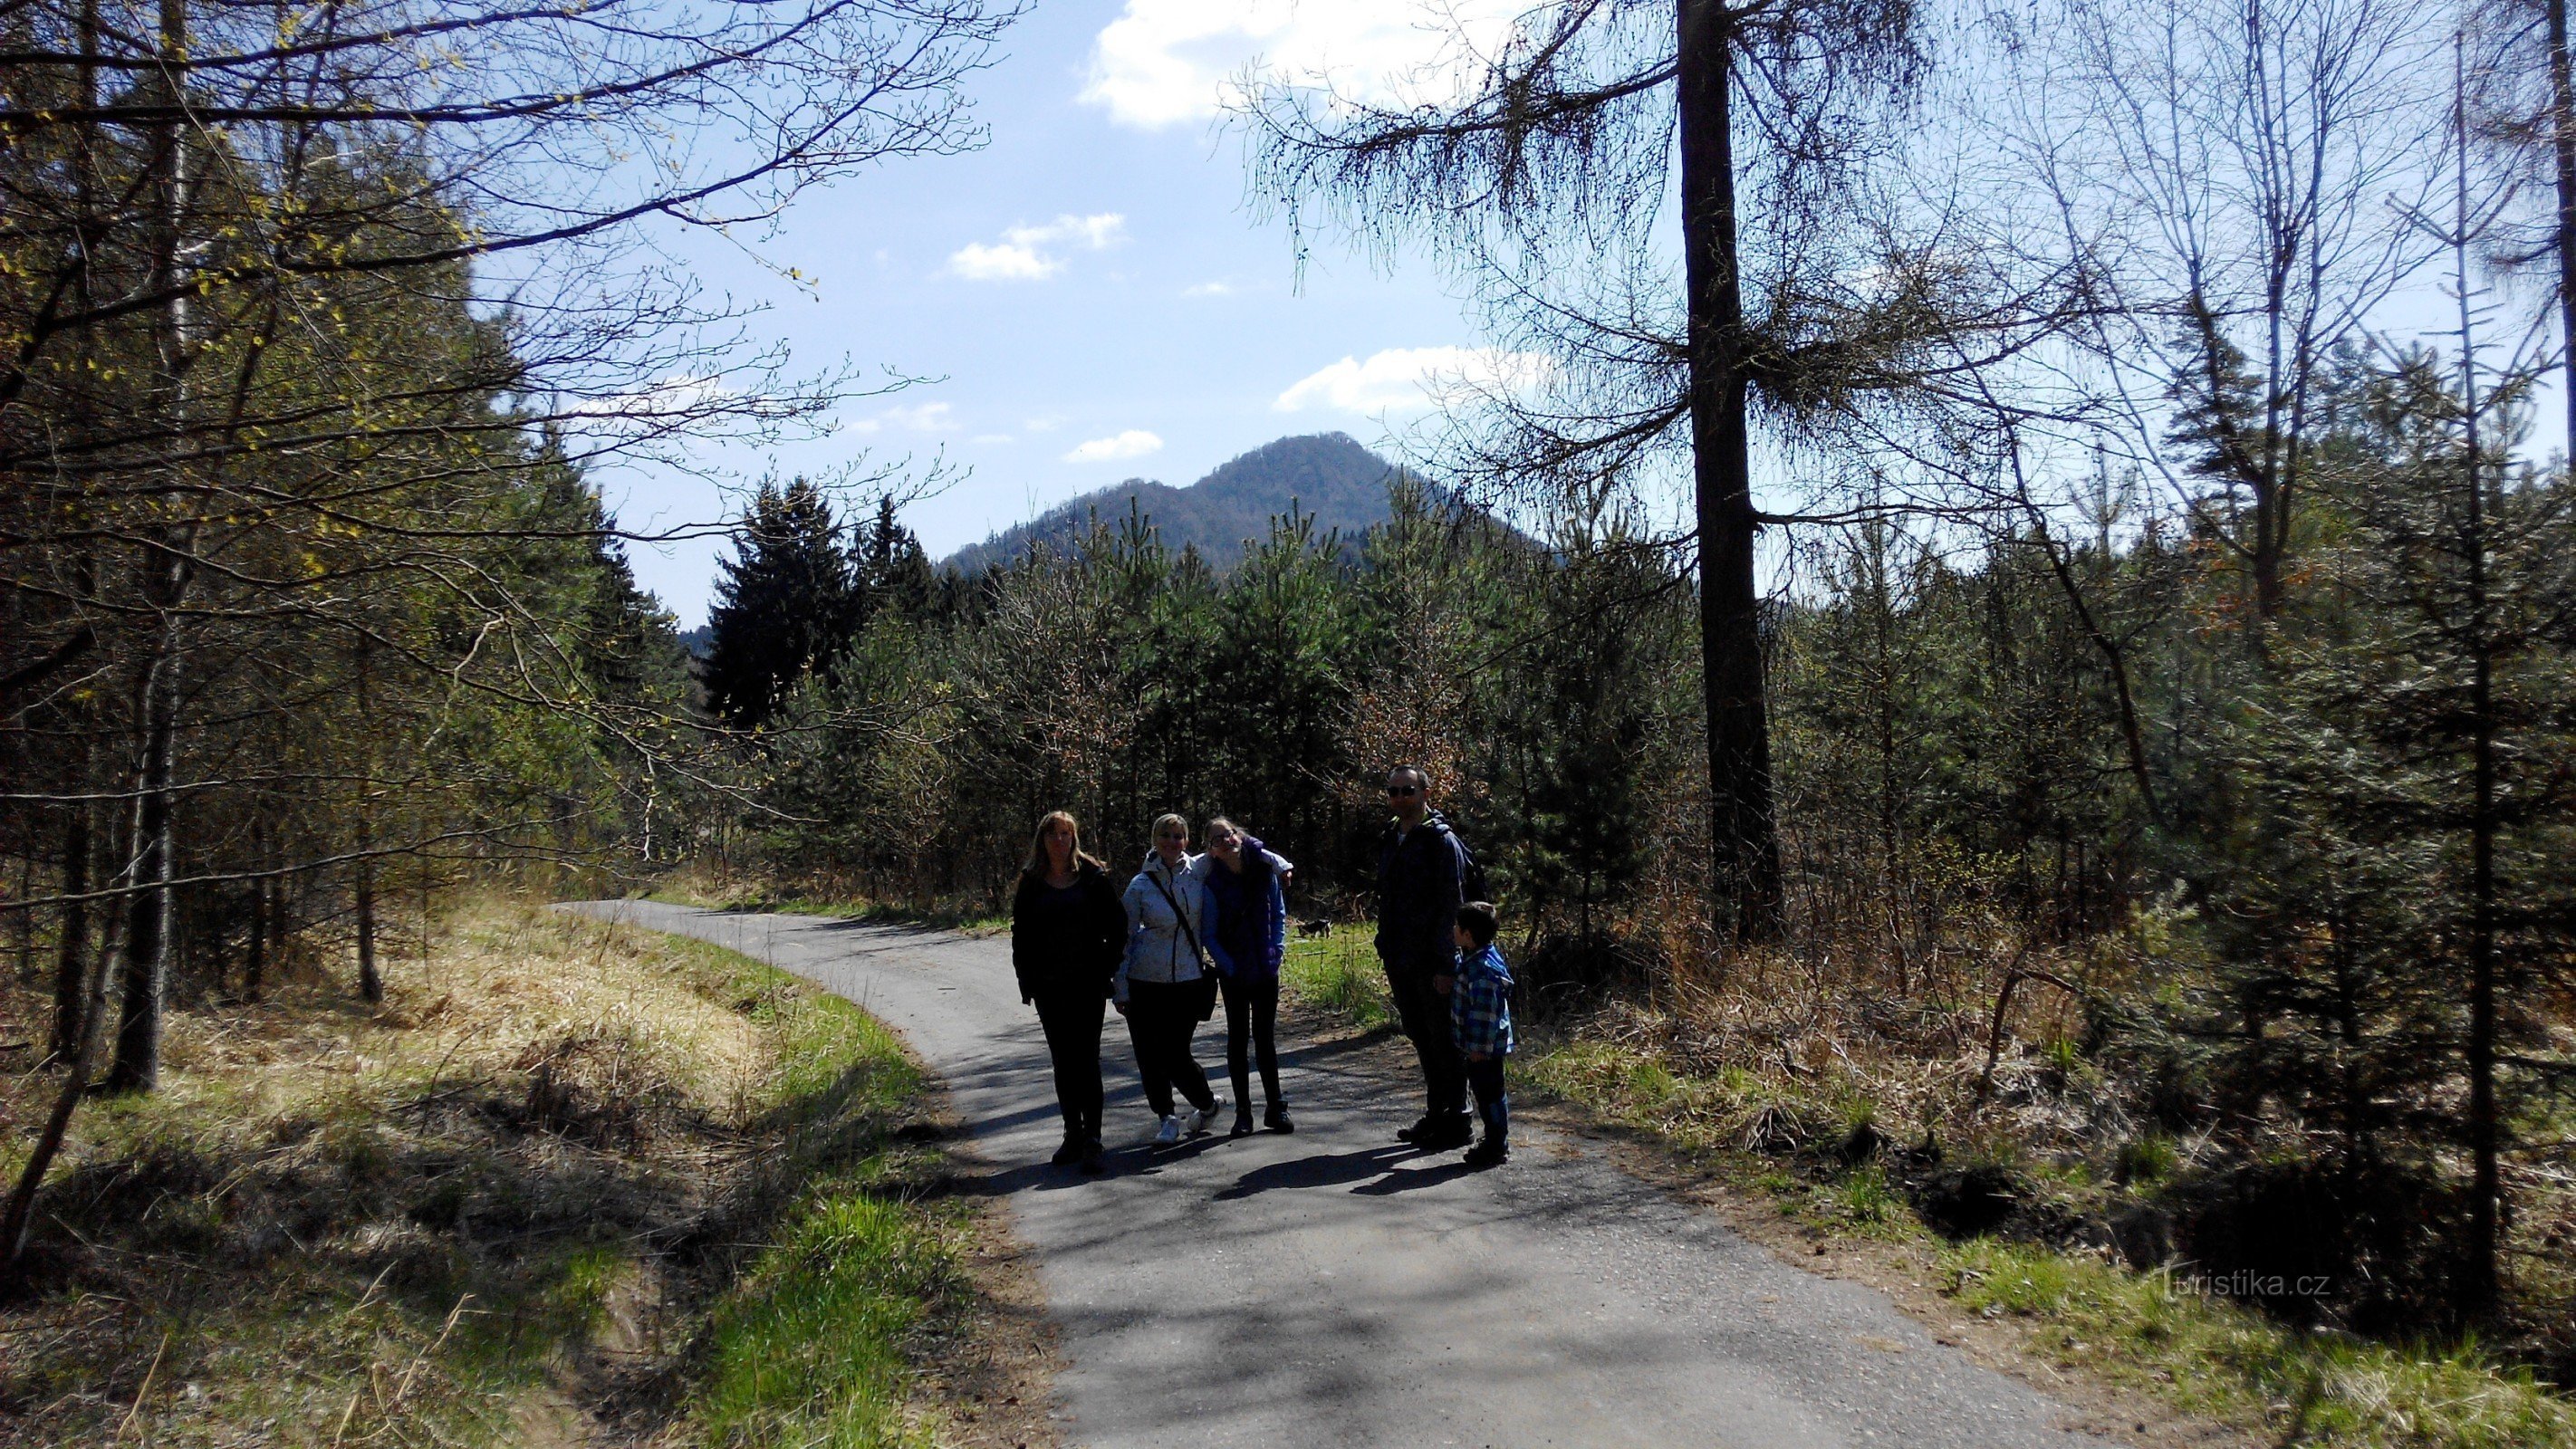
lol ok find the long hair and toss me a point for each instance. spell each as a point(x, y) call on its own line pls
point(1036, 869)
point(1256, 863)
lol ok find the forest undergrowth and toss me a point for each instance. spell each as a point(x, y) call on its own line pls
point(2028, 1194)
point(570, 1184)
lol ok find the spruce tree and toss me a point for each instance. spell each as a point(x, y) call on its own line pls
point(785, 604)
point(2391, 903)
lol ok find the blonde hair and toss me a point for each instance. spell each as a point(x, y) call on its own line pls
point(1037, 866)
point(1168, 817)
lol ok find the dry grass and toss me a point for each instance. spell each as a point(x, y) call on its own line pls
point(1818, 1087)
point(504, 1208)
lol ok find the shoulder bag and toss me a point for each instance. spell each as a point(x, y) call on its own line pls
point(1206, 984)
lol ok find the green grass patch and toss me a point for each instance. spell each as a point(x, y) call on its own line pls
point(2147, 1331)
point(1339, 973)
point(2207, 1355)
point(811, 1348)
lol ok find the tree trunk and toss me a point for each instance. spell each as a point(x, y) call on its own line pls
point(371, 985)
point(255, 950)
point(20, 1212)
point(71, 952)
point(25, 923)
point(70, 965)
point(2486, 1189)
point(1743, 838)
point(165, 569)
point(147, 928)
point(2562, 136)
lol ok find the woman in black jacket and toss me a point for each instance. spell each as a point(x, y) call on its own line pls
point(1068, 932)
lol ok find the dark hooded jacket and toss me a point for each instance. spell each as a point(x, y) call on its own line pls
point(1067, 942)
point(1420, 876)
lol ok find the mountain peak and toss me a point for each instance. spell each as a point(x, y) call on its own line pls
point(1327, 475)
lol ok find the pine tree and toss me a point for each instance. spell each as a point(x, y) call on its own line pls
point(785, 604)
point(889, 569)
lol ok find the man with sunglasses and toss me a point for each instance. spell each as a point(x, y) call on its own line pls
point(1421, 874)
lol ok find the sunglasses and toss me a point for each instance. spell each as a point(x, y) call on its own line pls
point(1404, 789)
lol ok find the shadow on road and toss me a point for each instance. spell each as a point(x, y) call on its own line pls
point(1395, 1182)
point(1323, 1170)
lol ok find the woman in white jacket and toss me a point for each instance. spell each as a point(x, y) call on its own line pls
point(1162, 984)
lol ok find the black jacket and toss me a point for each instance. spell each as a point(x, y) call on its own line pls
point(1420, 877)
point(1063, 946)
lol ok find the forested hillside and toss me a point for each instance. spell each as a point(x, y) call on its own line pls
point(1342, 485)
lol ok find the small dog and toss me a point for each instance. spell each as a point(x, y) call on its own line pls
point(1309, 930)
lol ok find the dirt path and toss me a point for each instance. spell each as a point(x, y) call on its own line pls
point(1333, 1288)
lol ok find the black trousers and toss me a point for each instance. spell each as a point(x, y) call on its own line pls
point(1424, 1014)
point(1492, 1103)
point(1160, 1019)
point(1251, 1034)
point(1072, 1022)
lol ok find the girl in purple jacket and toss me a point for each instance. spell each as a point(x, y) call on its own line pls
point(1248, 937)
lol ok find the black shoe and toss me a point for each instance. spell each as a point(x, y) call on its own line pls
point(1421, 1132)
point(1242, 1124)
point(1451, 1132)
point(1091, 1160)
point(1276, 1119)
point(1069, 1153)
point(1492, 1152)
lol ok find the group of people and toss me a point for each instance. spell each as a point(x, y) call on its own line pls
point(1189, 931)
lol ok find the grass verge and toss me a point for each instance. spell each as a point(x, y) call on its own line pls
point(1769, 1142)
point(1339, 974)
point(571, 1183)
point(696, 885)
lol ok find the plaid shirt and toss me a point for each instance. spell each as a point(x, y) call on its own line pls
point(1480, 1004)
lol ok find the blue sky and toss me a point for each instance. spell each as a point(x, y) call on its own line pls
point(1090, 287)
point(1091, 293)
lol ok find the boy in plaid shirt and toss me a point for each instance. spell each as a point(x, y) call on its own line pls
point(1480, 1016)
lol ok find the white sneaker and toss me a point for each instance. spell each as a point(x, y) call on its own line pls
point(1201, 1121)
point(1170, 1131)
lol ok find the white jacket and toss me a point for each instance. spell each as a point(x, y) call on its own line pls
point(1158, 950)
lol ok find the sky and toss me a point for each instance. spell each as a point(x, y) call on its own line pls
point(1089, 294)
point(1089, 298)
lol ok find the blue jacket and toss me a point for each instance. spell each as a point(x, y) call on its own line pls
point(1247, 932)
point(1480, 1004)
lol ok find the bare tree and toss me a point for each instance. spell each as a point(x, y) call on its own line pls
point(2233, 178)
point(310, 321)
point(1556, 169)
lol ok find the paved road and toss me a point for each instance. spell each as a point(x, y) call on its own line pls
point(1332, 1288)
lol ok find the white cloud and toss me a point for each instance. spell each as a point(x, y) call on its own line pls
point(1403, 378)
point(977, 262)
point(931, 417)
point(1211, 289)
point(991, 439)
point(1044, 423)
point(662, 399)
point(1170, 62)
point(1028, 253)
point(1133, 443)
